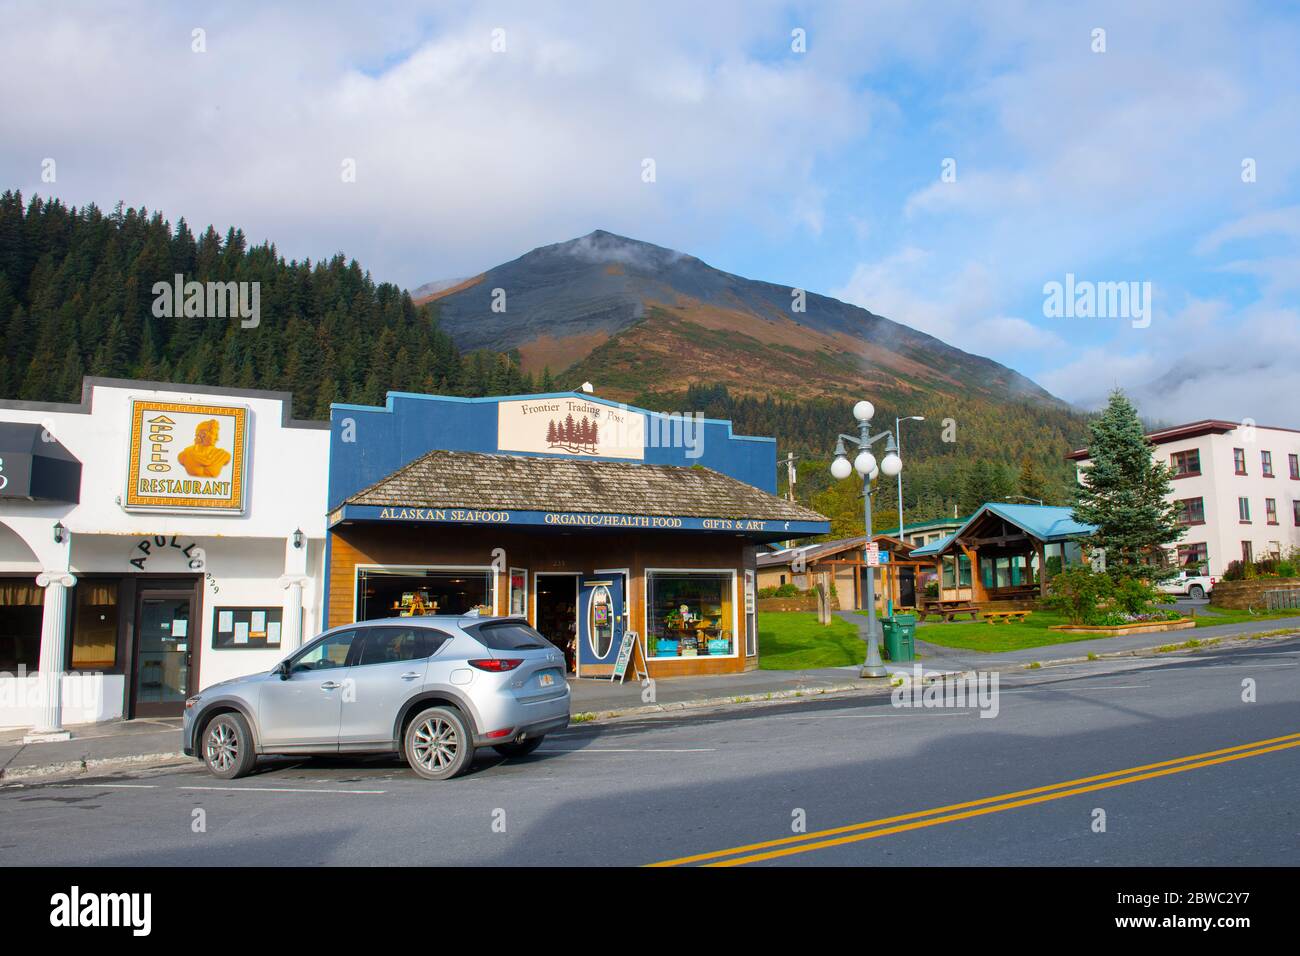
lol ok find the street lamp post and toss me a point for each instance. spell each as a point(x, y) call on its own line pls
point(898, 432)
point(866, 467)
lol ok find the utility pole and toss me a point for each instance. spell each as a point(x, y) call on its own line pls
point(791, 477)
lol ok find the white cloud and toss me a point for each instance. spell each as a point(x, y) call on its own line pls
point(464, 157)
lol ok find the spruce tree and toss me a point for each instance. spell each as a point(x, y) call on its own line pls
point(1125, 493)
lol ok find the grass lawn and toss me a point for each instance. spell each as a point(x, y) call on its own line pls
point(793, 640)
point(1228, 615)
point(1033, 632)
point(995, 638)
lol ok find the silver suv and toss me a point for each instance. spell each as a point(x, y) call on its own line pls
point(431, 688)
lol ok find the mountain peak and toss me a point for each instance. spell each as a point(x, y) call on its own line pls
point(658, 319)
point(602, 246)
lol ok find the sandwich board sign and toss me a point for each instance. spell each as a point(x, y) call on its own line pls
point(626, 650)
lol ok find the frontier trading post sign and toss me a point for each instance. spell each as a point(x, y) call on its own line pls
point(571, 426)
point(187, 458)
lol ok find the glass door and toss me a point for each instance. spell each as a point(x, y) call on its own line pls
point(600, 621)
point(165, 632)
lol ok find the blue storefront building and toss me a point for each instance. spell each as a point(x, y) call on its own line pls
point(586, 516)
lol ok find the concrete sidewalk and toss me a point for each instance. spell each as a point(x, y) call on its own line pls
point(146, 742)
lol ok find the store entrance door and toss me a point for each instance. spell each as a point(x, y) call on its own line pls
point(600, 622)
point(556, 597)
point(166, 632)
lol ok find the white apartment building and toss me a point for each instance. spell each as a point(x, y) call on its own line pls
point(1237, 486)
point(154, 539)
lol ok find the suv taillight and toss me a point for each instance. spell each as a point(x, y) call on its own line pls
point(497, 665)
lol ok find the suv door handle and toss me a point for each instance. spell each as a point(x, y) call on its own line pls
point(410, 675)
point(330, 685)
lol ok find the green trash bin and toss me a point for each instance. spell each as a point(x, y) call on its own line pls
point(903, 645)
point(893, 647)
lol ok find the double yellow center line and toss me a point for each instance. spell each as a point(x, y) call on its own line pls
point(853, 833)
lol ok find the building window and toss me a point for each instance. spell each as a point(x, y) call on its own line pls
point(1239, 460)
point(1193, 555)
point(94, 626)
point(518, 592)
point(1295, 512)
point(689, 614)
point(1293, 462)
point(1186, 463)
point(22, 606)
point(1243, 510)
point(783, 580)
point(1191, 510)
point(1270, 510)
point(1266, 464)
point(415, 592)
point(1247, 552)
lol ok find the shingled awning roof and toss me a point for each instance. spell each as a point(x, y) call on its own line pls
point(461, 479)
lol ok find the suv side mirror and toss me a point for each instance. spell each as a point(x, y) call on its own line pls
point(282, 669)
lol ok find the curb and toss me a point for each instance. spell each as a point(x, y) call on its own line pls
point(711, 702)
point(84, 766)
point(1157, 648)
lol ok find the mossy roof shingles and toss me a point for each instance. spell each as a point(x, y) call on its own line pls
point(461, 479)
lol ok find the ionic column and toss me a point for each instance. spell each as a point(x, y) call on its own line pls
point(54, 626)
point(291, 638)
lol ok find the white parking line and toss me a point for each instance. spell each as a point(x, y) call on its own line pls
point(112, 786)
point(628, 750)
point(281, 790)
point(892, 712)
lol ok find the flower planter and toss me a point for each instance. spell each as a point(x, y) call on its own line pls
point(1137, 627)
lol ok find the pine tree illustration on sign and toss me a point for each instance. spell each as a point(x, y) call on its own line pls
point(568, 435)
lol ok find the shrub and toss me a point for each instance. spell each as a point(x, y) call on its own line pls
point(1077, 591)
point(1134, 597)
point(785, 590)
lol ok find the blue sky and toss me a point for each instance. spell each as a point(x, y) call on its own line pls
point(820, 169)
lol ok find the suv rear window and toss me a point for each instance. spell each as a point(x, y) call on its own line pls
point(510, 636)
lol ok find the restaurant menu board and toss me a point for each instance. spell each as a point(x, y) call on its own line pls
point(247, 627)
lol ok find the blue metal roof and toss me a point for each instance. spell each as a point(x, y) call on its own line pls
point(1047, 523)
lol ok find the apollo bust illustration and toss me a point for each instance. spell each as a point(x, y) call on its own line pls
point(204, 459)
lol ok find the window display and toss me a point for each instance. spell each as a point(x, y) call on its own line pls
point(690, 614)
point(401, 592)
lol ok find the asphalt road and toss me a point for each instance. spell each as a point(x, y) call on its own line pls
point(663, 789)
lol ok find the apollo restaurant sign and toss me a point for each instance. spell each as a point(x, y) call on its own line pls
point(571, 426)
point(187, 458)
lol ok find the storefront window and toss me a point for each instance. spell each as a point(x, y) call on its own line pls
point(94, 626)
point(518, 592)
point(690, 614)
point(413, 592)
point(22, 606)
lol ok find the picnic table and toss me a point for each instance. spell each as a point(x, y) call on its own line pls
point(948, 609)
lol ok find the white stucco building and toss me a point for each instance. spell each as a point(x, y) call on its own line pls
point(1238, 487)
point(154, 540)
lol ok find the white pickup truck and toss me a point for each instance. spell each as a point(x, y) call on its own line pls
point(1188, 584)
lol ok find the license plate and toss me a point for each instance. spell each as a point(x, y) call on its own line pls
point(545, 679)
